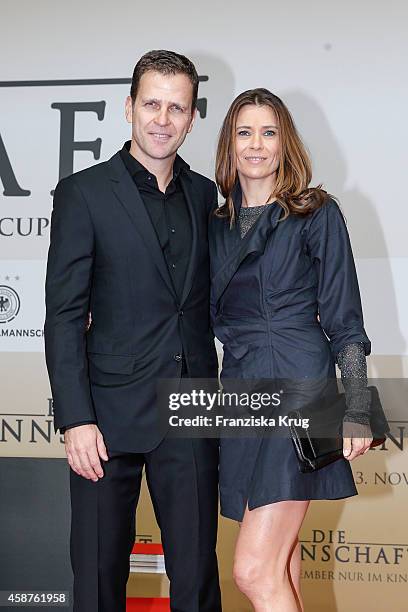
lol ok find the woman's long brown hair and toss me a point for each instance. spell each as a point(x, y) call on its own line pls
point(292, 191)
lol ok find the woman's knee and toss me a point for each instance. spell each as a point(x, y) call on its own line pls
point(252, 579)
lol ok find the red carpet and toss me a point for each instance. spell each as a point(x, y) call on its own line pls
point(147, 604)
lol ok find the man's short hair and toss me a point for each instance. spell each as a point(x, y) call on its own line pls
point(165, 62)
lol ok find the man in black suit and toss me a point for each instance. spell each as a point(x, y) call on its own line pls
point(129, 245)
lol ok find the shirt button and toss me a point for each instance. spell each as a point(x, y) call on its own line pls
point(173, 231)
point(181, 312)
point(173, 266)
point(149, 178)
point(177, 357)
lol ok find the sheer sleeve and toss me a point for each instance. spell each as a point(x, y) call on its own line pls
point(353, 367)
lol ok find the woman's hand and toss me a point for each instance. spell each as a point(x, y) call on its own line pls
point(356, 439)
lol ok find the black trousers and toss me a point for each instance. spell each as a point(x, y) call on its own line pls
point(182, 477)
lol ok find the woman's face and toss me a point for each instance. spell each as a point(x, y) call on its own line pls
point(257, 142)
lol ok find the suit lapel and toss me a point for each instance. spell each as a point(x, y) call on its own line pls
point(129, 197)
point(231, 250)
point(190, 197)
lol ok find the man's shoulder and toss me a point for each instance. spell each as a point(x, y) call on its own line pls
point(88, 175)
point(200, 180)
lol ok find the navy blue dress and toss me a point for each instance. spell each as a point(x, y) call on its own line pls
point(268, 289)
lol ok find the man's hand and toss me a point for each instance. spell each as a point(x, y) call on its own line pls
point(84, 446)
point(356, 439)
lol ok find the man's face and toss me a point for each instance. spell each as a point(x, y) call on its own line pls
point(161, 116)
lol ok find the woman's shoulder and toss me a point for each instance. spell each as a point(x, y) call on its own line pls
point(328, 215)
point(330, 205)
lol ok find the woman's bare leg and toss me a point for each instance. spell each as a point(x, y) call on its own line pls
point(266, 541)
point(294, 573)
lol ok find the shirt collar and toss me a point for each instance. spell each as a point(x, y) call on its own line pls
point(135, 167)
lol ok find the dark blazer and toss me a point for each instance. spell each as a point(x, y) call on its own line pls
point(269, 288)
point(104, 257)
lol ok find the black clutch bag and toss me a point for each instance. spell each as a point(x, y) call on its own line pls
point(322, 442)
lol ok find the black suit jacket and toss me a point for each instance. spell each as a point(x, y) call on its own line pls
point(104, 257)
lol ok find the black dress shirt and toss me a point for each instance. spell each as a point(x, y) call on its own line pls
point(170, 218)
point(168, 212)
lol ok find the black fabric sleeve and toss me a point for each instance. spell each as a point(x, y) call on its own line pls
point(64, 429)
point(67, 296)
point(339, 303)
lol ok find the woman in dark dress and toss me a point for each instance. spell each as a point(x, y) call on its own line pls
point(285, 305)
